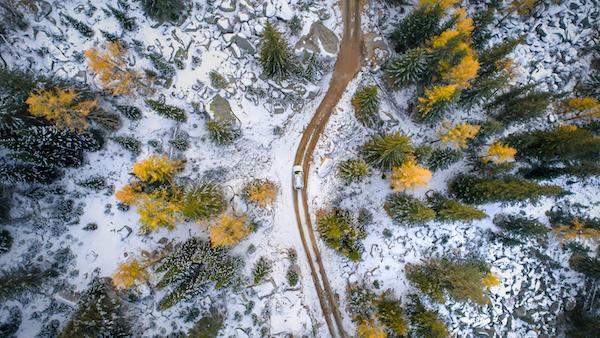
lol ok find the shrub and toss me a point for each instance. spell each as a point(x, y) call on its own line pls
point(409, 175)
point(275, 56)
point(407, 210)
point(165, 110)
point(390, 314)
point(222, 133)
point(387, 151)
point(192, 268)
point(158, 211)
point(462, 280)
point(426, 322)
point(127, 23)
point(337, 229)
point(292, 276)
point(450, 210)
point(520, 225)
point(366, 105)
point(129, 273)
point(441, 159)
point(261, 269)
point(353, 170)
point(295, 25)
point(261, 192)
point(476, 190)
point(164, 10)
point(229, 230)
point(129, 143)
point(203, 201)
point(361, 303)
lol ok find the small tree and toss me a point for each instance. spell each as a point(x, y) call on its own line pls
point(460, 134)
point(390, 314)
point(366, 105)
point(164, 10)
point(410, 67)
point(168, 111)
point(353, 170)
point(337, 229)
point(427, 322)
point(222, 133)
point(387, 151)
point(500, 153)
point(229, 230)
point(275, 55)
point(203, 201)
point(261, 192)
point(158, 211)
point(520, 225)
point(441, 159)
point(157, 169)
point(409, 175)
point(436, 101)
point(450, 210)
point(61, 107)
point(370, 329)
point(520, 104)
point(110, 65)
point(405, 209)
point(261, 269)
point(129, 273)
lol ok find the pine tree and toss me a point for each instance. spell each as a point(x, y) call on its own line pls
point(16, 172)
point(407, 210)
point(168, 111)
point(193, 267)
point(583, 170)
point(476, 190)
point(460, 134)
point(339, 232)
point(275, 55)
point(409, 175)
point(449, 210)
point(99, 314)
point(203, 201)
point(126, 22)
point(164, 10)
point(262, 268)
point(410, 67)
point(129, 143)
point(129, 273)
point(441, 159)
point(520, 225)
point(222, 133)
point(366, 105)
point(461, 280)
point(261, 192)
point(229, 230)
point(521, 104)
point(81, 27)
point(426, 322)
point(562, 144)
point(417, 27)
point(130, 112)
point(387, 151)
point(391, 314)
point(353, 170)
point(589, 266)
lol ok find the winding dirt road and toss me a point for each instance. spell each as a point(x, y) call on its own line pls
point(346, 67)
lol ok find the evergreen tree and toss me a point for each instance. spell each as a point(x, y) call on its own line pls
point(366, 105)
point(520, 104)
point(126, 22)
point(477, 190)
point(562, 144)
point(450, 210)
point(391, 315)
point(193, 267)
point(99, 314)
point(275, 55)
point(353, 170)
point(417, 27)
point(261, 269)
point(443, 158)
point(16, 172)
point(337, 229)
point(426, 323)
point(520, 225)
point(81, 27)
point(589, 266)
point(203, 201)
point(581, 323)
point(130, 112)
point(407, 210)
point(164, 10)
point(387, 151)
point(410, 67)
point(222, 133)
point(18, 280)
point(493, 59)
point(129, 143)
point(542, 172)
point(168, 111)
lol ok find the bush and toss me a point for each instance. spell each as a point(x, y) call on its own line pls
point(426, 323)
point(520, 225)
point(165, 110)
point(130, 112)
point(292, 276)
point(222, 133)
point(164, 10)
point(366, 105)
point(129, 143)
point(407, 210)
point(387, 151)
point(443, 158)
point(476, 190)
point(462, 280)
point(390, 314)
point(99, 314)
point(452, 211)
point(261, 192)
point(203, 201)
point(337, 229)
point(261, 269)
point(353, 170)
point(192, 268)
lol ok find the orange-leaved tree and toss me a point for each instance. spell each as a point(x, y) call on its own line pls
point(110, 65)
point(229, 230)
point(409, 175)
point(61, 107)
point(129, 273)
point(460, 134)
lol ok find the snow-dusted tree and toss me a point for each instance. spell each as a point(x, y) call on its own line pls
point(164, 10)
point(275, 55)
point(110, 65)
point(449, 210)
point(387, 151)
point(128, 273)
point(520, 104)
point(168, 111)
point(417, 27)
point(520, 225)
point(391, 314)
point(339, 232)
point(262, 268)
point(353, 170)
point(459, 134)
point(193, 267)
point(409, 175)
point(366, 105)
point(229, 230)
point(222, 133)
point(407, 210)
point(425, 322)
point(203, 201)
point(61, 107)
point(410, 67)
point(261, 192)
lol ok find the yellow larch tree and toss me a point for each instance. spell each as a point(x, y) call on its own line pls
point(61, 107)
point(444, 4)
point(157, 169)
point(129, 273)
point(110, 65)
point(500, 153)
point(409, 175)
point(435, 97)
point(575, 230)
point(580, 108)
point(158, 211)
point(460, 134)
point(463, 72)
point(229, 230)
point(369, 329)
point(262, 192)
point(130, 194)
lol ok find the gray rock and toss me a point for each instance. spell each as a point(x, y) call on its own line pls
point(224, 25)
point(319, 35)
point(228, 5)
point(221, 110)
point(244, 44)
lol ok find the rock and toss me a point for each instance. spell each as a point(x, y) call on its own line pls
point(221, 110)
point(243, 43)
point(224, 25)
point(244, 17)
point(270, 9)
point(227, 6)
point(319, 36)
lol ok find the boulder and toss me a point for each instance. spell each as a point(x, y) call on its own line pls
point(319, 37)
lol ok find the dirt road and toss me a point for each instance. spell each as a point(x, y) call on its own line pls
point(346, 67)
